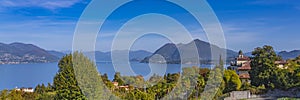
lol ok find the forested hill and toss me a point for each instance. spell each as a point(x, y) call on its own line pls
point(16, 53)
point(170, 52)
point(289, 55)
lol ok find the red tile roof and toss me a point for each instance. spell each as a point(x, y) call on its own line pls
point(244, 76)
point(245, 58)
point(280, 62)
point(245, 66)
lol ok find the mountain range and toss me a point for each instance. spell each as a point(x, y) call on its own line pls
point(16, 53)
point(171, 53)
point(289, 55)
point(19, 53)
point(283, 54)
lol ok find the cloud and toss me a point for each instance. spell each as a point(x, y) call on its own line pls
point(47, 4)
point(48, 34)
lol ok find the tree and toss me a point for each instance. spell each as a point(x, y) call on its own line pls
point(3, 95)
point(38, 89)
point(15, 95)
point(88, 78)
point(215, 83)
point(264, 71)
point(65, 82)
point(118, 78)
point(139, 95)
point(107, 82)
point(105, 78)
point(293, 72)
point(29, 96)
point(232, 81)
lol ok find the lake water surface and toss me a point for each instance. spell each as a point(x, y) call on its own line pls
point(30, 75)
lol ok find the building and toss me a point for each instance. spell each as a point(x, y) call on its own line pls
point(126, 87)
point(242, 67)
point(281, 64)
point(116, 84)
point(25, 89)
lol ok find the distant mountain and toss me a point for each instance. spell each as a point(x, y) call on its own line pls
point(171, 54)
point(16, 53)
point(57, 53)
point(139, 55)
point(289, 55)
point(106, 56)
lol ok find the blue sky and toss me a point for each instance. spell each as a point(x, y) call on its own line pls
point(247, 24)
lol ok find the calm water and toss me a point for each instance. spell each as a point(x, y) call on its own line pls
point(29, 75)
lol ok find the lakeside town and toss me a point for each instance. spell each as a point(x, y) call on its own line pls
point(11, 59)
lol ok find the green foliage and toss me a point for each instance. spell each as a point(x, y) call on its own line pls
point(139, 95)
point(137, 81)
point(44, 93)
point(215, 83)
point(65, 83)
point(107, 82)
point(29, 96)
point(232, 81)
point(293, 72)
point(88, 78)
point(4, 94)
point(46, 96)
point(40, 89)
point(258, 90)
point(104, 78)
point(118, 78)
point(15, 95)
point(264, 71)
point(214, 86)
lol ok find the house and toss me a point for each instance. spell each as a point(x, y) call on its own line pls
point(126, 87)
point(242, 67)
point(281, 64)
point(116, 84)
point(30, 90)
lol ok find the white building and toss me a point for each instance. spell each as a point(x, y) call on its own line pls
point(242, 67)
point(25, 89)
point(281, 64)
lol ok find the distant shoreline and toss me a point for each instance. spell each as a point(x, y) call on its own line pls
point(27, 63)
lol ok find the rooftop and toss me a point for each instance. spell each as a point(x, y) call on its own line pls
point(244, 76)
point(245, 66)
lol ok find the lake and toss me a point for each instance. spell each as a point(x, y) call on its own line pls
point(30, 75)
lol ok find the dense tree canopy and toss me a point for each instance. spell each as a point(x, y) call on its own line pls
point(232, 81)
point(265, 73)
point(65, 83)
point(88, 78)
point(264, 70)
